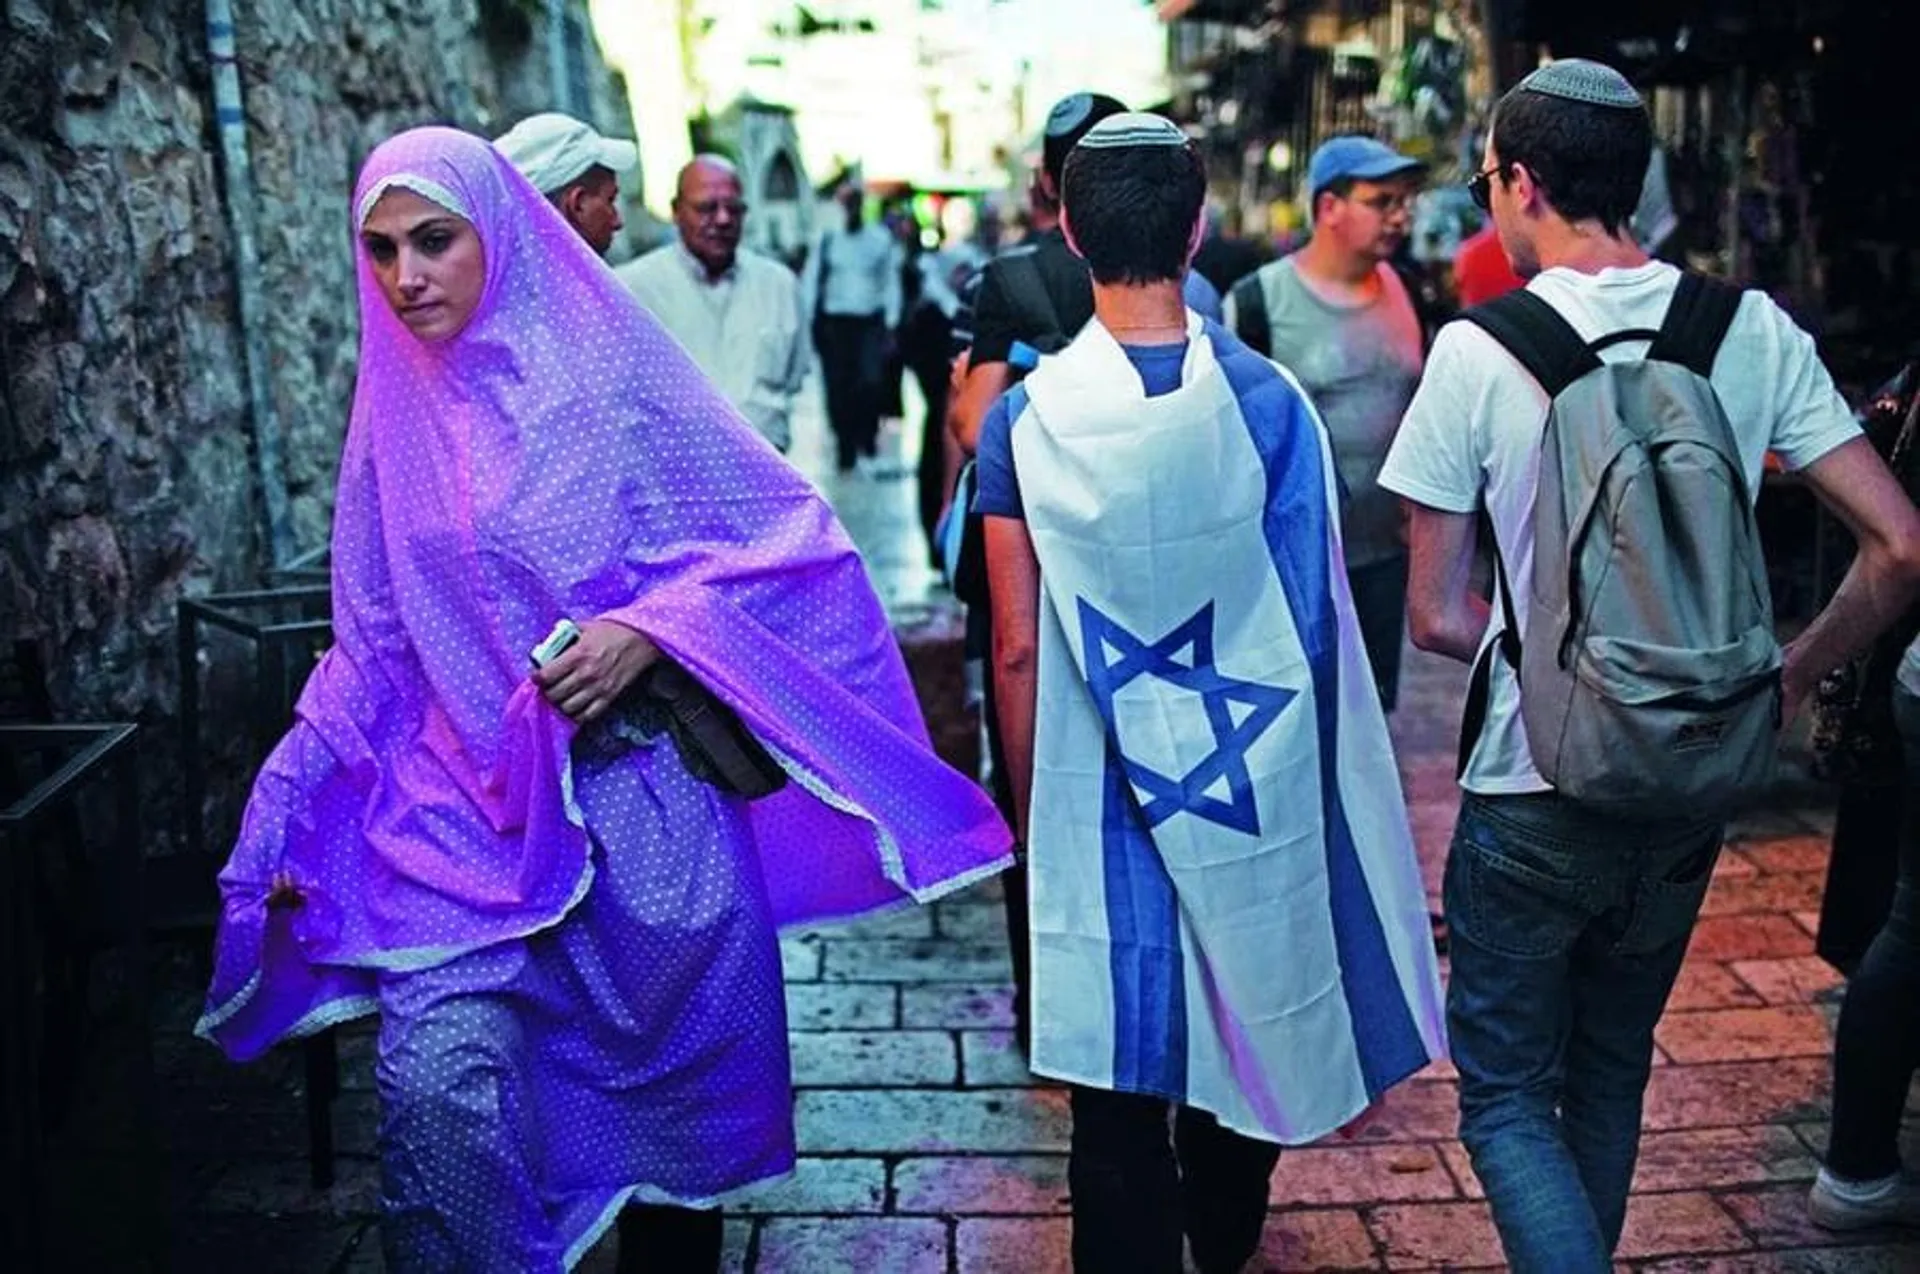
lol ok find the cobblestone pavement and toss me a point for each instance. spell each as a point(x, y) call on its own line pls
point(927, 1146)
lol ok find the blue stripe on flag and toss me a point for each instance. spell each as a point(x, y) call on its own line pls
point(1143, 931)
point(1296, 524)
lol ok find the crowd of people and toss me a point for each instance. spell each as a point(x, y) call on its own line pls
point(1192, 532)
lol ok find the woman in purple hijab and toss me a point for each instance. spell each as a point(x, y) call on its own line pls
point(572, 948)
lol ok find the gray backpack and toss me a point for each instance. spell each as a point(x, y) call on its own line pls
point(1649, 670)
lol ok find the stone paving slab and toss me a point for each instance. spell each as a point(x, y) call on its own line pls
point(1705, 984)
point(837, 1187)
point(981, 1184)
point(1435, 1235)
point(992, 1059)
point(1692, 1222)
point(1730, 1035)
point(970, 921)
point(1008, 1120)
point(1737, 1094)
point(900, 1245)
point(889, 1059)
point(957, 1005)
point(921, 960)
point(1794, 980)
point(842, 1007)
point(1025, 1245)
point(1356, 1174)
point(1710, 1158)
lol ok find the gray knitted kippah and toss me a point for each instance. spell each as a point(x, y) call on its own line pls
point(1581, 80)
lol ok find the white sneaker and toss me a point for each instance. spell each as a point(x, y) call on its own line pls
point(1842, 1205)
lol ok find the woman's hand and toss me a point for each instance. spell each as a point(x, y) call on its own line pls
point(596, 670)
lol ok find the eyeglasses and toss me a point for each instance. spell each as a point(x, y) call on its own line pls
point(1480, 187)
point(708, 209)
point(1388, 204)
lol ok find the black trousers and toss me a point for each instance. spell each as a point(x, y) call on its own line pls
point(1876, 1047)
point(655, 1239)
point(1138, 1190)
point(932, 377)
point(853, 358)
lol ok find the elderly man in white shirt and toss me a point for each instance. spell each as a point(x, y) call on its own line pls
point(852, 287)
point(737, 313)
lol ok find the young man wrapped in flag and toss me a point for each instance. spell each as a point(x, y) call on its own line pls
point(1228, 921)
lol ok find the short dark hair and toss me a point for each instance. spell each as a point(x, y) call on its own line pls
point(1339, 188)
point(1132, 209)
point(1590, 160)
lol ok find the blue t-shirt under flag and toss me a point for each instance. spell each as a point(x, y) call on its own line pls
point(998, 489)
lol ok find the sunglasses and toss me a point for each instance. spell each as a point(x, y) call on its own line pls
point(1480, 187)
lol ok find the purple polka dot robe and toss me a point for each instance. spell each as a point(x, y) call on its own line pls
point(561, 456)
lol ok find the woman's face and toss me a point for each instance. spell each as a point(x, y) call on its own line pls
point(428, 261)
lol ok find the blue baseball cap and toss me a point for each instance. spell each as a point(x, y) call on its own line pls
point(1361, 158)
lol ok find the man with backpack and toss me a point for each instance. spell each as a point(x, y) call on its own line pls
point(1337, 316)
point(1612, 420)
point(1029, 300)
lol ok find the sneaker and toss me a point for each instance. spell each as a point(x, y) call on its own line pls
point(1841, 1205)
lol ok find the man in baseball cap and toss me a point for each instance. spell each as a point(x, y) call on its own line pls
point(570, 163)
point(1336, 314)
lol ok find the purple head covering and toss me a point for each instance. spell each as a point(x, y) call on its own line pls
point(560, 456)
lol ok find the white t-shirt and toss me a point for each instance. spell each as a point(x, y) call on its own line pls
point(1472, 435)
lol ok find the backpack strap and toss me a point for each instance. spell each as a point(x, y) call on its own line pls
point(1555, 356)
point(1250, 321)
point(1026, 290)
point(1473, 717)
point(1533, 332)
point(1696, 323)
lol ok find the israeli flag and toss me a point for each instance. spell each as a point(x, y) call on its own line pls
point(1226, 908)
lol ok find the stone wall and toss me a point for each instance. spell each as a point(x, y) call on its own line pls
point(126, 471)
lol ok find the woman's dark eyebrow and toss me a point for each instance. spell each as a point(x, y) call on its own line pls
point(431, 223)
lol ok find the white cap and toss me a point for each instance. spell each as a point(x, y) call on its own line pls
point(551, 150)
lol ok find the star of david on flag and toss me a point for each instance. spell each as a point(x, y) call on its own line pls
point(1237, 711)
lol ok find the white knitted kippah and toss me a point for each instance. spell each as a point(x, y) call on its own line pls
point(1133, 128)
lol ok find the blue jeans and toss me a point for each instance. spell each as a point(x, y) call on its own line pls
point(1567, 931)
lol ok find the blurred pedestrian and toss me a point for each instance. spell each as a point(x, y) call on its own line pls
point(851, 288)
point(925, 343)
point(1230, 952)
point(1481, 270)
point(1876, 1047)
point(1338, 316)
point(737, 313)
point(551, 885)
point(569, 162)
point(1866, 736)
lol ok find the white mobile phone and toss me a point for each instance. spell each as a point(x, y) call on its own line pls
point(556, 644)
